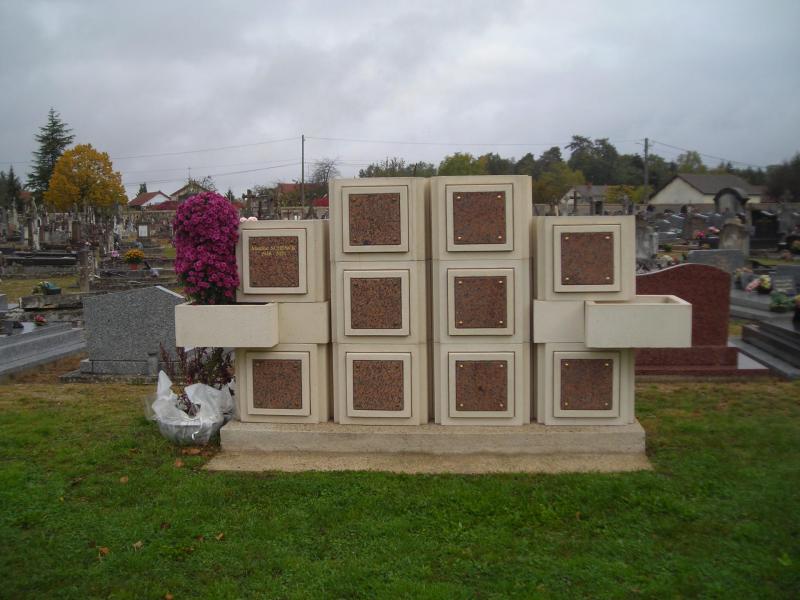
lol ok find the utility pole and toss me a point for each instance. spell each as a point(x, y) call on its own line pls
point(303, 170)
point(646, 173)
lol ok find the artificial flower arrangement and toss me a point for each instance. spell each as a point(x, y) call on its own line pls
point(40, 320)
point(134, 256)
point(713, 230)
point(699, 235)
point(780, 302)
point(761, 284)
point(206, 228)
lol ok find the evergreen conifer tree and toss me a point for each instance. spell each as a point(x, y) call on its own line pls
point(53, 139)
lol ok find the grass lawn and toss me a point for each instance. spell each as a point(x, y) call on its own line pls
point(15, 288)
point(96, 504)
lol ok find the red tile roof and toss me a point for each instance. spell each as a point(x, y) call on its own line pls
point(143, 199)
point(168, 205)
point(323, 201)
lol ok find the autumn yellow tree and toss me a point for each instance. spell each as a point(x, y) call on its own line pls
point(84, 178)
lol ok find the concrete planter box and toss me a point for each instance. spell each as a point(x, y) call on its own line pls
point(228, 326)
point(644, 322)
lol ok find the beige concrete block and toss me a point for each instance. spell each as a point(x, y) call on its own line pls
point(481, 217)
point(558, 321)
point(585, 258)
point(380, 384)
point(380, 302)
point(482, 384)
point(482, 301)
point(379, 219)
point(643, 322)
point(304, 322)
point(283, 261)
point(227, 325)
point(431, 440)
point(576, 385)
point(289, 383)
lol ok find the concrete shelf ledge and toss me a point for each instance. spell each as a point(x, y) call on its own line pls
point(433, 440)
point(228, 325)
point(643, 322)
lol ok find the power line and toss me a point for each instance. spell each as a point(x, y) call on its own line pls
point(426, 143)
point(292, 139)
point(738, 162)
point(292, 164)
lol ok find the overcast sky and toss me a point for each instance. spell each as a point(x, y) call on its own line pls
point(145, 78)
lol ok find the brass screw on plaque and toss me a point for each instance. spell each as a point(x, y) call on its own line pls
point(460, 282)
point(501, 405)
point(461, 322)
point(501, 281)
point(566, 364)
point(458, 237)
point(458, 197)
point(607, 278)
point(500, 322)
point(566, 237)
point(608, 364)
point(499, 196)
point(605, 404)
point(566, 278)
point(566, 403)
point(502, 365)
point(608, 237)
point(460, 365)
point(499, 237)
point(461, 405)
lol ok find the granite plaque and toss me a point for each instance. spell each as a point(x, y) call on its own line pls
point(587, 384)
point(786, 272)
point(378, 385)
point(479, 218)
point(376, 303)
point(482, 385)
point(277, 383)
point(374, 219)
point(784, 283)
point(587, 258)
point(274, 261)
point(480, 302)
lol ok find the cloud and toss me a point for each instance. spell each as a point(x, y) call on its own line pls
point(159, 77)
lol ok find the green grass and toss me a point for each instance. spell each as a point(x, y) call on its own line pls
point(15, 288)
point(719, 517)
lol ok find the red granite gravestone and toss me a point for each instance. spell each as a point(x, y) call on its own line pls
point(708, 290)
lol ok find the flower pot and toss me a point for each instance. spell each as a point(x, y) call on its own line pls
point(761, 290)
point(226, 325)
point(133, 266)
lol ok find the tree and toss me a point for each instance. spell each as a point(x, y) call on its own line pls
point(142, 189)
point(325, 169)
point(397, 167)
point(526, 165)
point(784, 179)
point(596, 160)
point(53, 139)
point(690, 162)
point(229, 195)
point(494, 164)
point(555, 182)
point(85, 178)
point(461, 163)
point(10, 190)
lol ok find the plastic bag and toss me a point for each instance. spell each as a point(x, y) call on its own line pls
point(181, 428)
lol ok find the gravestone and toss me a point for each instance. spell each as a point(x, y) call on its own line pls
point(707, 288)
point(646, 241)
point(734, 237)
point(787, 279)
point(765, 230)
point(124, 330)
point(694, 223)
point(727, 260)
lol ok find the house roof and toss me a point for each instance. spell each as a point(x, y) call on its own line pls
point(710, 184)
point(143, 199)
point(192, 187)
point(322, 201)
point(589, 191)
point(168, 205)
point(287, 188)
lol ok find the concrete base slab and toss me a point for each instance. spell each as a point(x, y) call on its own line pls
point(430, 464)
point(430, 448)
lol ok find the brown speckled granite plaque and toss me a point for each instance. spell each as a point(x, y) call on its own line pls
point(587, 383)
point(479, 218)
point(274, 261)
point(480, 302)
point(278, 383)
point(376, 303)
point(374, 219)
point(587, 258)
point(378, 385)
point(481, 385)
